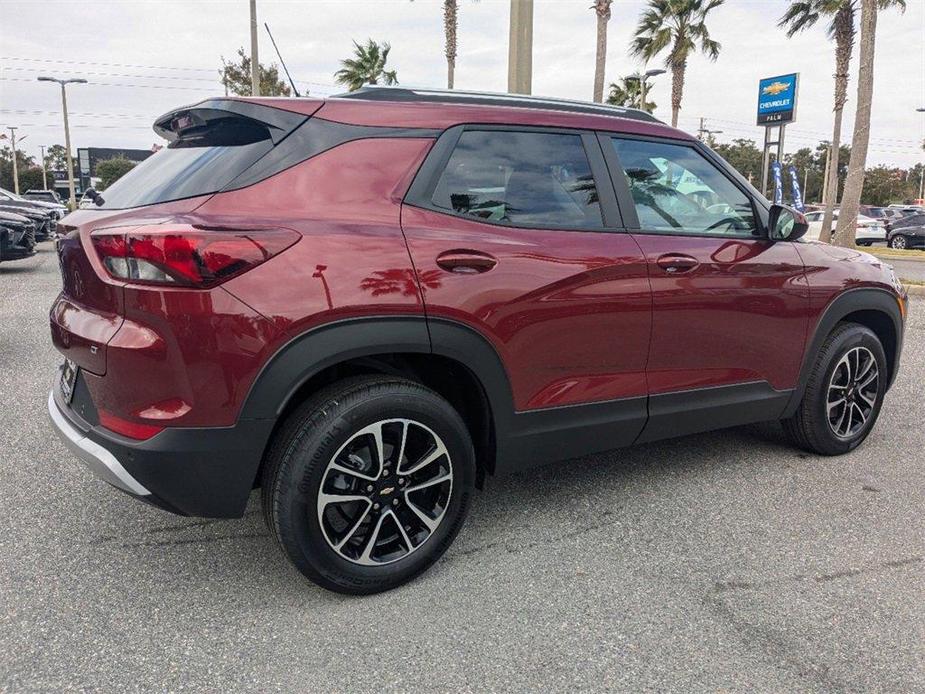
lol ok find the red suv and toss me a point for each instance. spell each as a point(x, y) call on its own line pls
point(367, 305)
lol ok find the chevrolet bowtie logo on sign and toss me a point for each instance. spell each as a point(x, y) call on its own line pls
point(775, 88)
point(777, 99)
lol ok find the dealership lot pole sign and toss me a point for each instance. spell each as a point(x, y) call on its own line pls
point(777, 106)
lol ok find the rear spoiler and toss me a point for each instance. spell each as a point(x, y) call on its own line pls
point(278, 122)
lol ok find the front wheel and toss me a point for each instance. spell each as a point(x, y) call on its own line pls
point(899, 241)
point(843, 394)
point(368, 483)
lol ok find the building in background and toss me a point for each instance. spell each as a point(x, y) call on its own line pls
point(89, 157)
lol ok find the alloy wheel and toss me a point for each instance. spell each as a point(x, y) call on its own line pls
point(852, 393)
point(385, 492)
point(898, 241)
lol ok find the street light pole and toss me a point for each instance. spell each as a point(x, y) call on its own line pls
point(643, 79)
point(44, 177)
point(67, 134)
point(255, 65)
point(922, 175)
point(12, 130)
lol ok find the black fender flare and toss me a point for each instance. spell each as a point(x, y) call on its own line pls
point(846, 303)
point(311, 352)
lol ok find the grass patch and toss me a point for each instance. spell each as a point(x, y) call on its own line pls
point(885, 252)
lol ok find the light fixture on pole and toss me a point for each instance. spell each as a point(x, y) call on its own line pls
point(67, 133)
point(643, 79)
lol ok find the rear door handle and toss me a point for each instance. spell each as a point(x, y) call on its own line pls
point(677, 262)
point(466, 261)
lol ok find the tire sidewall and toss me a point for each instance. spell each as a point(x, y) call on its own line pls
point(858, 336)
point(299, 528)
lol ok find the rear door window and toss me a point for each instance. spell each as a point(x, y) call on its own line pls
point(525, 179)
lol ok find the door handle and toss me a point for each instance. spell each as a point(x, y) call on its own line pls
point(677, 262)
point(466, 261)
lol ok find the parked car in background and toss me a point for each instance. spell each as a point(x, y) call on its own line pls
point(44, 196)
point(881, 214)
point(53, 212)
point(907, 210)
point(58, 210)
point(869, 231)
point(45, 220)
point(465, 285)
point(908, 232)
point(17, 236)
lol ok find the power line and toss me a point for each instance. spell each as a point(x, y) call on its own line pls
point(201, 90)
point(118, 74)
point(90, 62)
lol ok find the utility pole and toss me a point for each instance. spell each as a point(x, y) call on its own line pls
point(703, 130)
point(44, 177)
point(520, 48)
point(72, 202)
point(12, 130)
point(255, 64)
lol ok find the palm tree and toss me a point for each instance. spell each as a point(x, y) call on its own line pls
point(851, 199)
point(628, 93)
point(803, 14)
point(367, 67)
point(450, 25)
point(680, 26)
point(602, 9)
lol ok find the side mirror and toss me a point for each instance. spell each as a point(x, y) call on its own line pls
point(786, 224)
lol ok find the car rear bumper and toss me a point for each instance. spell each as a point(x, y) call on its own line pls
point(206, 472)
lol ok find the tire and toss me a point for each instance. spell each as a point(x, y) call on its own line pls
point(899, 241)
point(377, 538)
point(818, 428)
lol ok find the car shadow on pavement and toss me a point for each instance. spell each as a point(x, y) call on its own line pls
point(148, 541)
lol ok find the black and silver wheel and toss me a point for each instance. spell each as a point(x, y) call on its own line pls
point(899, 241)
point(368, 483)
point(852, 392)
point(843, 394)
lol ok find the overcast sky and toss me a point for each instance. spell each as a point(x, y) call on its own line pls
point(146, 57)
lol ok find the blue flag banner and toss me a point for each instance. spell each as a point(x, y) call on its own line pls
point(795, 192)
point(778, 183)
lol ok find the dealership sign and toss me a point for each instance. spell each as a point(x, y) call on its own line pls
point(777, 99)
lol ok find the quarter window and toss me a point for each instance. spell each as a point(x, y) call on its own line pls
point(676, 189)
point(524, 179)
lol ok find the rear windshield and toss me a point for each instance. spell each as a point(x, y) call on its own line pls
point(200, 163)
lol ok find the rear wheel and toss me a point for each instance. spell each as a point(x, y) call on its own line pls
point(899, 241)
point(368, 483)
point(844, 393)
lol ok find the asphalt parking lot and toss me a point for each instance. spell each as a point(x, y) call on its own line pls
point(726, 561)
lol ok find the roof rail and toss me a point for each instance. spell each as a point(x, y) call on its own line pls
point(454, 96)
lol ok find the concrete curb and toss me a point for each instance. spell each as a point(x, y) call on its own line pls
point(915, 289)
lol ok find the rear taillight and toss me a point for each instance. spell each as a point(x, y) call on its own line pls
point(141, 432)
point(187, 256)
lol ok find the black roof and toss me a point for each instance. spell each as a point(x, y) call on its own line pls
point(447, 96)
